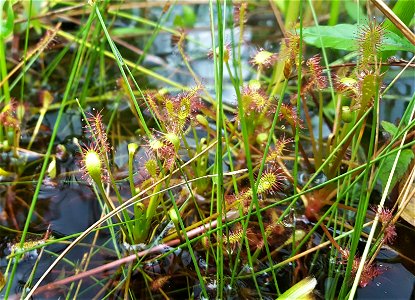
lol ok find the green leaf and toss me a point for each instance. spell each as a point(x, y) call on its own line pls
point(403, 162)
point(389, 127)
point(189, 16)
point(129, 31)
point(354, 10)
point(6, 25)
point(52, 168)
point(178, 21)
point(343, 37)
point(187, 19)
point(396, 43)
point(339, 37)
point(405, 10)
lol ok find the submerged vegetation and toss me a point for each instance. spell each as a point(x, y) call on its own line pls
point(167, 150)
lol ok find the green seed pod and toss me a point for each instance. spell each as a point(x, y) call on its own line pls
point(254, 84)
point(93, 166)
point(173, 216)
point(132, 147)
point(262, 138)
point(347, 114)
point(202, 120)
point(205, 242)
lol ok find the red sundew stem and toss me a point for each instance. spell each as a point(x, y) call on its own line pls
point(335, 244)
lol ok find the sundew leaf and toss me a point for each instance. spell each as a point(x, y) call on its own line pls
point(389, 127)
point(403, 162)
point(343, 37)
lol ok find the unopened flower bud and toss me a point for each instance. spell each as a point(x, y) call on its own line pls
point(93, 165)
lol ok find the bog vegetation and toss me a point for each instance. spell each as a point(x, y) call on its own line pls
point(167, 150)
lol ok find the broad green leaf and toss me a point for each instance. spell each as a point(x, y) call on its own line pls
point(187, 19)
point(189, 16)
point(396, 43)
point(343, 37)
point(6, 25)
point(389, 127)
point(354, 10)
point(339, 37)
point(403, 162)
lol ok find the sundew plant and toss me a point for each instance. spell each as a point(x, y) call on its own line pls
point(206, 149)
